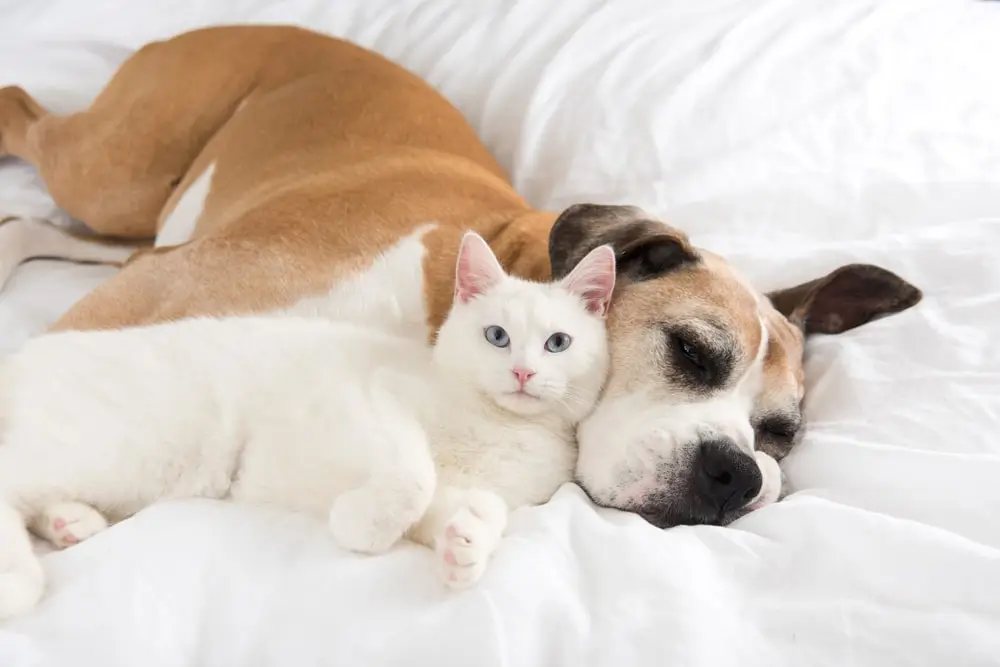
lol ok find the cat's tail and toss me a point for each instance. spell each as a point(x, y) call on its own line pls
point(22, 579)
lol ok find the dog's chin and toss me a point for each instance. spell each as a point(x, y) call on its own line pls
point(686, 516)
point(671, 512)
point(683, 514)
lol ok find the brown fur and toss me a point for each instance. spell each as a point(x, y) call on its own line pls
point(304, 202)
point(325, 155)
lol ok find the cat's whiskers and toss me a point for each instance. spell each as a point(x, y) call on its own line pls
point(571, 400)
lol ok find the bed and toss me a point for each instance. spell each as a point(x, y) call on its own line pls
point(791, 136)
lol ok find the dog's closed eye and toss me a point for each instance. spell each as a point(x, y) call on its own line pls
point(778, 427)
point(696, 360)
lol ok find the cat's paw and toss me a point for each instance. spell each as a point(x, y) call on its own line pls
point(770, 487)
point(22, 583)
point(362, 521)
point(470, 537)
point(66, 524)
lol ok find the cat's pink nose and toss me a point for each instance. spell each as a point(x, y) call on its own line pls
point(523, 375)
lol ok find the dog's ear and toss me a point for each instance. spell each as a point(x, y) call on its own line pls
point(644, 248)
point(845, 298)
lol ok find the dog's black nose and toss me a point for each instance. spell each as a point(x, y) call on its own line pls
point(727, 477)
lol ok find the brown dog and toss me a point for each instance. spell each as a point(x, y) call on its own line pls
point(307, 173)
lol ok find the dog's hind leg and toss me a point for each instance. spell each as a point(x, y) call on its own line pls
point(86, 167)
point(22, 239)
point(117, 165)
point(18, 113)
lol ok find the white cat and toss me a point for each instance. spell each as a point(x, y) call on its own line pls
point(383, 435)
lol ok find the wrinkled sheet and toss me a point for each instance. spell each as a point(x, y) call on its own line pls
point(792, 136)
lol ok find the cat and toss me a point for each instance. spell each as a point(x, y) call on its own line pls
point(383, 435)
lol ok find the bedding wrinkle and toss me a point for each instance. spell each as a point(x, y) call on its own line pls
point(790, 137)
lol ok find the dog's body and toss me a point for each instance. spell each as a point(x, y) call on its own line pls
point(306, 173)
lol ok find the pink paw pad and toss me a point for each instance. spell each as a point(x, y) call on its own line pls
point(450, 532)
point(70, 539)
point(449, 557)
point(58, 524)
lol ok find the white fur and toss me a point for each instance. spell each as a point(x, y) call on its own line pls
point(378, 433)
point(180, 224)
point(770, 489)
point(388, 294)
point(66, 524)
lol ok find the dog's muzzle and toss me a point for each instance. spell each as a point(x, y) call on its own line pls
point(715, 486)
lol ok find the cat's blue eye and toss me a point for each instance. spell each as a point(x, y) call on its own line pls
point(558, 342)
point(497, 336)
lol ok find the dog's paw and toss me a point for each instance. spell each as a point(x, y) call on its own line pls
point(66, 524)
point(470, 537)
point(770, 488)
point(361, 520)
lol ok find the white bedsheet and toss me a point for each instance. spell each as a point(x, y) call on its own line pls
point(792, 135)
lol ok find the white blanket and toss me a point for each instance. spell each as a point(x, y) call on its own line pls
point(791, 135)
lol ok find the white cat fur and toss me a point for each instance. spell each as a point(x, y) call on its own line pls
point(381, 434)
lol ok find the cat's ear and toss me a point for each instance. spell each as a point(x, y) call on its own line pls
point(478, 269)
point(593, 279)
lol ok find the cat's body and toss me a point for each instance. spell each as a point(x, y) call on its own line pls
point(284, 411)
point(206, 407)
point(379, 433)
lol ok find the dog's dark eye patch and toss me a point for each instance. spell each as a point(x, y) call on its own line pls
point(701, 362)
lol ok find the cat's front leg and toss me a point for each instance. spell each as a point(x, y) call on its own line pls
point(464, 527)
point(400, 487)
point(374, 517)
point(68, 523)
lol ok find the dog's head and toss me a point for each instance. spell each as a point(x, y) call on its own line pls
point(704, 369)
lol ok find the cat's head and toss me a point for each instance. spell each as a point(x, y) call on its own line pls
point(531, 348)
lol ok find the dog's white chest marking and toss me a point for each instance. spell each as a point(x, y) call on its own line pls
point(388, 295)
point(180, 224)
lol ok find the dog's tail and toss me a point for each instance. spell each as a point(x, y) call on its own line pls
point(22, 578)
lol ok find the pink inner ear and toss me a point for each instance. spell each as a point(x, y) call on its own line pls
point(477, 269)
point(598, 296)
point(593, 279)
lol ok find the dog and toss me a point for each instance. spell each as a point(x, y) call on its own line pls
point(308, 174)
